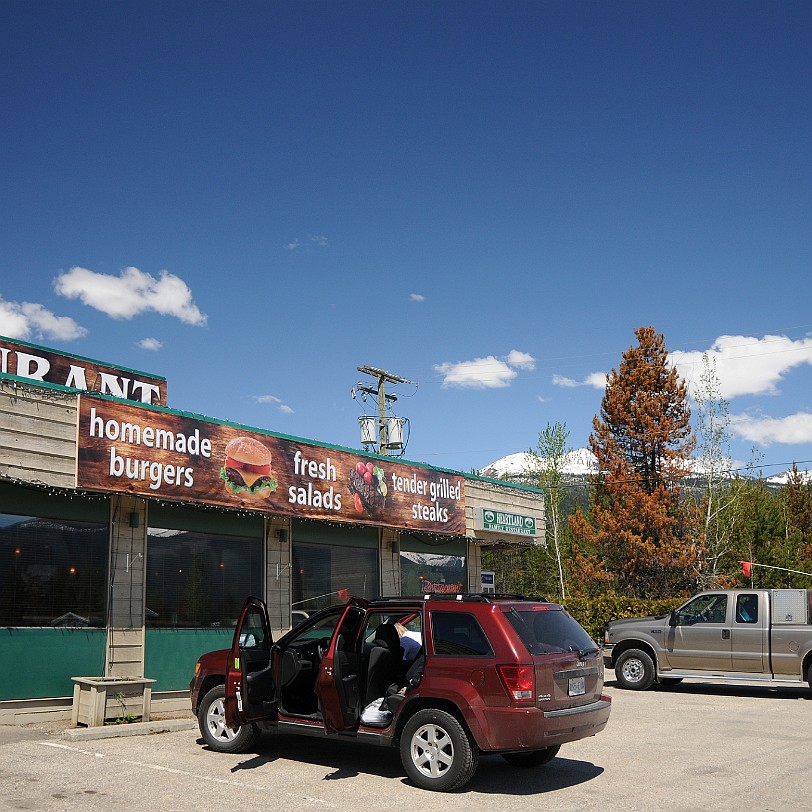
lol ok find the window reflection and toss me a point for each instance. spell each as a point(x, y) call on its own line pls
point(199, 579)
point(52, 572)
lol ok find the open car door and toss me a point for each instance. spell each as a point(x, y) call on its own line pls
point(250, 685)
point(339, 685)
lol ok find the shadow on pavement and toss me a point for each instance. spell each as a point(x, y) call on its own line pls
point(493, 776)
point(783, 691)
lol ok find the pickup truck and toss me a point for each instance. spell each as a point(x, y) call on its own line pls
point(730, 634)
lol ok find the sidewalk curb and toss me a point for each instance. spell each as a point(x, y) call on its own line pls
point(134, 729)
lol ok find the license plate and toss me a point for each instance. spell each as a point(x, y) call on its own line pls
point(577, 686)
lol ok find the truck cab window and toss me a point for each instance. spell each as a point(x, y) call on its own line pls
point(747, 609)
point(704, 609)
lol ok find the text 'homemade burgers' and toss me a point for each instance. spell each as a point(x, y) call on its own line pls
point(247, 469)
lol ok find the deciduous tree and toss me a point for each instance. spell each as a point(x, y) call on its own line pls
point(546, 469)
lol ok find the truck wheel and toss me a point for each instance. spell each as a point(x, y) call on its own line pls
point(532, 758)
point(437, 752)
point(211, 720)
point(634, 670)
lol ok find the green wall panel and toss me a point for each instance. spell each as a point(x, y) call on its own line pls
point(38, 663)
point(23, 501)
point(313, 532)
point(171, 654)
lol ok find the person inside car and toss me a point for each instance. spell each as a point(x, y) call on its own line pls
point(411, 647)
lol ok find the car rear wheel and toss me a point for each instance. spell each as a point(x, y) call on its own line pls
point(634, 670)
point(437, 752)
point(211, 719)
point(532, 758)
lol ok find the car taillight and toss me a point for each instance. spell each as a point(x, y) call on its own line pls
point(519, 681)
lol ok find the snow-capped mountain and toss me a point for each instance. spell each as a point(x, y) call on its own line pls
point(579, 463)
point(783, 478)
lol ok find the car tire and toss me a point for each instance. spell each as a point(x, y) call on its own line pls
point(218, 736)
point(634, 670)
point(437, 752)
point(532, 758)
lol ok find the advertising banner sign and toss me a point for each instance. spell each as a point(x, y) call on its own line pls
point(158, 453)
point(41, 365)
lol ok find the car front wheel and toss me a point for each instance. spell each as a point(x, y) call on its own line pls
point(211, 719)
point(635, 670)
point(437, 752)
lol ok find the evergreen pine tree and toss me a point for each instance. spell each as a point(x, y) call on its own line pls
point(640, 538)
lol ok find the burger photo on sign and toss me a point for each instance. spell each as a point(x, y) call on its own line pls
point(247, 469)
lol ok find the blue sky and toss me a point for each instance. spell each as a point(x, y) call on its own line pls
point(254, 199)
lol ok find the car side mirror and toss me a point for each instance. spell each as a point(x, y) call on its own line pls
point(673, 619)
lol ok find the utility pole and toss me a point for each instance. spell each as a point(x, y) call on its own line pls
point(383, 377)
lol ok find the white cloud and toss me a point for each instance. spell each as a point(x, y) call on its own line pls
point(746, 365)
point(521, 360)
point(567, 383)
point(315, 239)
point(796, 428)
point(131, 293)
point(272, 399)
point(597, 380)
point(485, 373)
point(151, 344)
point(417, 297)
point(27, 319)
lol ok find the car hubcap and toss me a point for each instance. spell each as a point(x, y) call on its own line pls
point(633, 670)
point(432, 750)
point(216, 721)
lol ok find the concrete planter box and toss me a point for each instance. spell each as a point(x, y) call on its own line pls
point(100, 699)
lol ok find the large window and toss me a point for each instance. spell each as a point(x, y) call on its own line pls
point(200, 580)
point(52, 572)
point(324, 575)
point(422, 573)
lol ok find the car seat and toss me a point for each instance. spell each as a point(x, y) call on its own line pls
point(384, 662)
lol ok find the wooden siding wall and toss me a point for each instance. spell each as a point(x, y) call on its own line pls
point(128, 552)
point(511, 500)
point(38, 441)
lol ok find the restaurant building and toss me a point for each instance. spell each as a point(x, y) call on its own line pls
point(131, 532)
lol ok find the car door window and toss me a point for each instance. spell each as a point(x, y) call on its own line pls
point(253, 633)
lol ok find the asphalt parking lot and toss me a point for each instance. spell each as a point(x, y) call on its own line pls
point(688, 747)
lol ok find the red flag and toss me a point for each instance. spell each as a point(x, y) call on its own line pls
point(746, 569)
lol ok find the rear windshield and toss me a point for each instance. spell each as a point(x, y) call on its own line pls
point(549, 631)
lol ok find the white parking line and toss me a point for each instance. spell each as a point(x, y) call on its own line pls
point(174, 771)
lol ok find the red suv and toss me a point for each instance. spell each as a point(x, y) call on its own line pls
point(443, 678)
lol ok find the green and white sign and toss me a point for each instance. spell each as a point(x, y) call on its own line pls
point(499, 521)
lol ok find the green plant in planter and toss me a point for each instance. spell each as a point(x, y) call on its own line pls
point(124, 718)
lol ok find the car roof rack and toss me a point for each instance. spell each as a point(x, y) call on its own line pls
point(469, 597)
